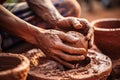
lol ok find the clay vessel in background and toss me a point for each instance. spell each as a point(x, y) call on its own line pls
point(13, 66)
point(107, 36)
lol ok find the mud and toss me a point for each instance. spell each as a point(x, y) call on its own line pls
point(99, 68)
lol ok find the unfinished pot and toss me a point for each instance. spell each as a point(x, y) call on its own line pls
point(81, 43)
point(107, 36)
point(43, 68)
point(13, 66)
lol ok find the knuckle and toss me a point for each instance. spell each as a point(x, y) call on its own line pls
point(56, 44)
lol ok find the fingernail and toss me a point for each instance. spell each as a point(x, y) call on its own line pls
point(76, 39)
point(78, 26)
point(84, 50)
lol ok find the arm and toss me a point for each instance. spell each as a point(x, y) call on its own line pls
point(46, 10)
point(49, 41)
point(16, 26)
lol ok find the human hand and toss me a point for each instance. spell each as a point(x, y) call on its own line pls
point(77, 24)
point(51, 43)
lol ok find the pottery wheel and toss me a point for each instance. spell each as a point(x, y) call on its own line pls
point(43, 68)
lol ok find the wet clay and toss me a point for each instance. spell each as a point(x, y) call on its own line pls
point(96, 66)
point(81, 43)
point(43, 68)
point(115, 74)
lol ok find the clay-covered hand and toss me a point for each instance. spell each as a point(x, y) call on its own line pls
point(78, 24)
point(51, 43)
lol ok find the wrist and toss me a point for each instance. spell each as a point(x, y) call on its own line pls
point(34, 33)
point(52, 18)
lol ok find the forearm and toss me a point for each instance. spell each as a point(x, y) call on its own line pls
point(16, 26)
point(45, 9)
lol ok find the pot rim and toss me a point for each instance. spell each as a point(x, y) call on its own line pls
point(20, 67)
point(105, 20)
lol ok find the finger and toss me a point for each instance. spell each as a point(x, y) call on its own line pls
point(67, 37)
point(63, 62)
point(91, 41)
point(82, 21)
point(76, 24)
point(70, 49)
point(90, 36)
point(90, 33)
point(68, 57)
point(64, 22)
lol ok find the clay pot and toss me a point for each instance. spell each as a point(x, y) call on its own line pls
point(107, 36)
point(13, 66)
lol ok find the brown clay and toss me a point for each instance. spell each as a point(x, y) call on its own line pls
point(107, 36)
point(115, 74)
point(81, 43)
point(13, 66)
point(43, 68)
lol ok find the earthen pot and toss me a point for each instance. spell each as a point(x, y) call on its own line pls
point(13, 66)
point(107, 36)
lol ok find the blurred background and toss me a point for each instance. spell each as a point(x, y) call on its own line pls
point(95, 9)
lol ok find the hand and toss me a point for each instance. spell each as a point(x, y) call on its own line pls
point(51, 43)
point(78, 24)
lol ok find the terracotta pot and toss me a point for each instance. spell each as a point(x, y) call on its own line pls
point(107, 36)
point(13, 66)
